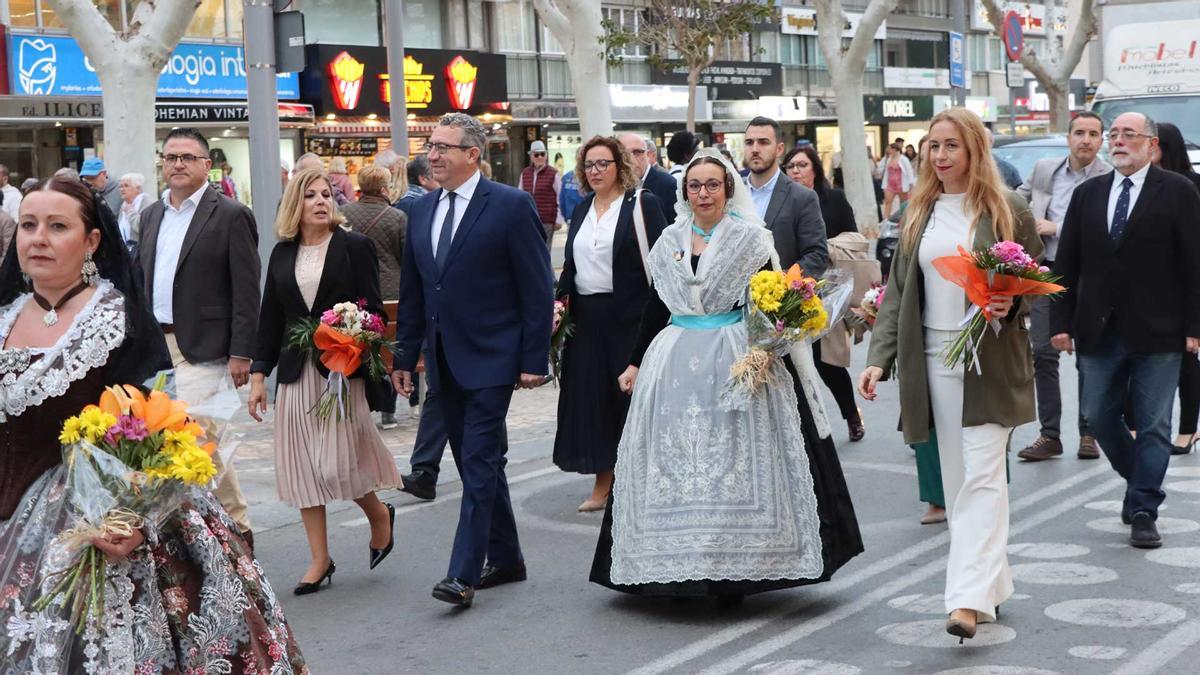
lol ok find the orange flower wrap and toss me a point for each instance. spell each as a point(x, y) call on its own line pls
point(340, 353)
point(962, 271)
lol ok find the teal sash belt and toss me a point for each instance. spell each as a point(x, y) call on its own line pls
point(706, 321)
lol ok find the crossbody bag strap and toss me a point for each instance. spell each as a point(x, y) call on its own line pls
point(639, 228)
point(374, 220)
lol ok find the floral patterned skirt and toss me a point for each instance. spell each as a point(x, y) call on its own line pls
point(191, 600)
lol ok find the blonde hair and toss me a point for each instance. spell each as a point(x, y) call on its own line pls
point(337, 165)
point(986, 194)
point(291, 206)
point(375, 180)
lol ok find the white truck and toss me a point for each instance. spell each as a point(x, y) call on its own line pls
point(1151, 64)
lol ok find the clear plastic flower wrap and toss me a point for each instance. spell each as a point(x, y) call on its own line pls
point(782, 309)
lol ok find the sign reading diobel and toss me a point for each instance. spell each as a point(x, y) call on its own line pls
point(354, 81)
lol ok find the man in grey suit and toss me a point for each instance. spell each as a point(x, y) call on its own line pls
point(1049, 189)
point(791, 211)
point(199, 256)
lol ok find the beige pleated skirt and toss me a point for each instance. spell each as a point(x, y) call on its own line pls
point(319, 461)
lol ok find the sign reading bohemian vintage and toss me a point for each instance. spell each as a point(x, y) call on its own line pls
point(354, 81)
point(729, 80)
point(49, 65)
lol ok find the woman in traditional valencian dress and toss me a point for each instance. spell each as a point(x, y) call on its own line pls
point(709, 501)
point(186, 596)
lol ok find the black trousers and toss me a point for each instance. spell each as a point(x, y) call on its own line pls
point(837, 379)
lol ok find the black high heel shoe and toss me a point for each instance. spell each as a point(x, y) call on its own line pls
point(378, 554)
point(1184, 449)
point(306, 587)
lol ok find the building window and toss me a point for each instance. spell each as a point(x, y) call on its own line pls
point(209, 20)
point(423, 24)
point(24, 13)
point(631, 20)
point(109, 9)
point(513, 26)
point(341, 22)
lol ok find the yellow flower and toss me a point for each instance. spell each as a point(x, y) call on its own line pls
point(187, 463)
point(176, 441)
point(767, 289)
point(816, 323)
point(70, 432)
point(94, 423)
point(812, 304)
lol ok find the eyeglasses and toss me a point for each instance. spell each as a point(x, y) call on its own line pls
point(597, 165)
point(795, 166)
point(694, 186)
point(1126, 135)
point(538, 154)
point(443, 148)
point(186, 159)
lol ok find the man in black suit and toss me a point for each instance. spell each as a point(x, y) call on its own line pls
point(1129, 256)
point(791, 211)
point(199, 255)
point(660, 183)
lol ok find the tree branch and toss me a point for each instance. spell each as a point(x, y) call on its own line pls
point(157, 26)
point(90, 29)
point(830, 13)
point(554, 18)
point(864, 35)
point(1085, 28)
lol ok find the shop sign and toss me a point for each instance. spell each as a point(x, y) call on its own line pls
point(531, 111)
point(342, 147)
point(919, 78)
point(1032, 16)
point(1165, 60)
point(728, 80)
point(778, 108)
point(48, 65)
point(235, 113)
point(883, 109)
point(354, 81)
point(801, 21)
point(654, 103)
point(984, 106)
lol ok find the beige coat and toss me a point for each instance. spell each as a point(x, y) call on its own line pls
point(1003, 394)
point(850, 252)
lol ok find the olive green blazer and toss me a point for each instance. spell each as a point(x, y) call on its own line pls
point(1003, 394)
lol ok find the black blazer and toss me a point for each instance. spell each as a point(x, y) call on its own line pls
point(215, 299)
point(630, 290)
point(1148, 283)
point(662, 185)
point(351, 273)
point(794, 218)
point(836, 212)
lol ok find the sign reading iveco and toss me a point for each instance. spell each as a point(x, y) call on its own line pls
point(45, 65)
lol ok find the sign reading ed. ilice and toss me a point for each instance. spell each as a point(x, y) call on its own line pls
point(50, 65)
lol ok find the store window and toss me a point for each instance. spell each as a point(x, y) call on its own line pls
point(797, 50)
point(109, 9)
point(423, 24)
point(209, 20)
point(23, 12)
point(341, 22)
point(630, 19)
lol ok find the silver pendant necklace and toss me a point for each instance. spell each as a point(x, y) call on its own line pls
point(51, 316)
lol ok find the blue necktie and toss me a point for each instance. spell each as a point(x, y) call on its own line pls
point(1121, 214)
point(443, 249)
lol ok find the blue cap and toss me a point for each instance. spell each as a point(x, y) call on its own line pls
point(92, 166)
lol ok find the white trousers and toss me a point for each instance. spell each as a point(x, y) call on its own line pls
point(195, 383)
point(975, 481)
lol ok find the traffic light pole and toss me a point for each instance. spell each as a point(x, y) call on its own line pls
point(263, 104)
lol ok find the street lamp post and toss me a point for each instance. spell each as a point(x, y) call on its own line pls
point(393, 16)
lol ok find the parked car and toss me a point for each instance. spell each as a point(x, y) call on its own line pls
point(1023, 154)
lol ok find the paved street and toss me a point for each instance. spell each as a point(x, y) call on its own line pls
point(1086, 602)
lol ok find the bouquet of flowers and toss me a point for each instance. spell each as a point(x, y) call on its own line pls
point(345, 336)
point(1003, 269)
point(130, 460)
point(784, 308)
point(564, 326)
point(868, 307)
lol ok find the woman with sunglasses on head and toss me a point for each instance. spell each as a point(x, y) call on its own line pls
point(832, 353)
point(604, 284)
point(712, 500)
point(960, 202)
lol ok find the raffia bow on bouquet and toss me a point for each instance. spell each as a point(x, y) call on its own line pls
point(784, 308)
point(130, 461)
point(345, 337)
point(1003, 269)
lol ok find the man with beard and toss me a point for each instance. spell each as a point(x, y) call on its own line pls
point(792, 212)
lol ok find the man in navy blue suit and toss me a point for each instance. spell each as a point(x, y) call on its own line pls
point(478, 290)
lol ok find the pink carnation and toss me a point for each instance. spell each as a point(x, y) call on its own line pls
point(1011, 253)
point(127, 428)
point(329, 317)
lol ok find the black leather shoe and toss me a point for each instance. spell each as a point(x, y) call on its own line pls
point(306, 587)
point(495, 576)
point(1144, 534)
point(454, 591)
point(249, 537)
point(378, 554)
point(417, 485)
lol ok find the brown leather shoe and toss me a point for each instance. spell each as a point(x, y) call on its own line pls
point(1088, 448)
point(1042, 448)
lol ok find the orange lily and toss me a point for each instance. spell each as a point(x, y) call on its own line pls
point(209, 447)
point(116, 400)
point(159, 411)
point(794, 274)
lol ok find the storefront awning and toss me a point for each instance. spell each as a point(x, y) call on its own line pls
point(366, 127)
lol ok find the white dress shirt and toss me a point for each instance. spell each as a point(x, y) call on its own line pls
point(1114, 193)
point(12, 202)
point(762, 195)
point(171, 233)
point(593, 250)
point(461, 199)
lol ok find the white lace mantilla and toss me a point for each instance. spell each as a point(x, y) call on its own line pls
point(702, 493)
point(95, 331)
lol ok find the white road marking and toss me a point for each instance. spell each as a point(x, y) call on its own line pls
point(1153, 658)
point(905, 469)
point(887, 566)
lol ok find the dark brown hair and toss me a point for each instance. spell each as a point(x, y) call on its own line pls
point(820, 182)
point(81, 192)
point(625, 176)
point(729, 181)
